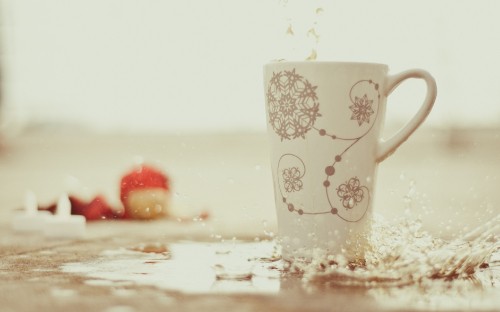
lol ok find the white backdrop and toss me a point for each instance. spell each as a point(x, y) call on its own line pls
point(196, 65)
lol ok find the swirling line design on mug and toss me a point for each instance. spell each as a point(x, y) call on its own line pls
point(355, 101)
point(353, 184)
point(358, 105)
point(292, 176)
point(292, 104)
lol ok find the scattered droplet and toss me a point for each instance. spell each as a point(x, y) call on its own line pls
point(402, 176)
point(138, 160)
point(158, 248)
point(312, 56)
point(222, 273)
point(312, 33)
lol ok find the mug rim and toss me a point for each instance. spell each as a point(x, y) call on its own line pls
point(277, 62)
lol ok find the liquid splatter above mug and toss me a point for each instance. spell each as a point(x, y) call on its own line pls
point(301, 29)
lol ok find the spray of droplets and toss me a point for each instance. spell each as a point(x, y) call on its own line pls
point(301, 28)
point(403, 254)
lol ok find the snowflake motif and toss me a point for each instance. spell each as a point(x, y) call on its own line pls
point(351, 193)
point(293, 104)
point(291, 178)
point(361, 110)
point(288, 105)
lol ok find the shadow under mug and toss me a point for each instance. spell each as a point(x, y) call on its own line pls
point(324, 123)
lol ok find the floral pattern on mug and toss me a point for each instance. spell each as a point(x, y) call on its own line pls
point(285, 91)
point(293, 104)
point(362, 109)
point(351, 193)
point(291, 178)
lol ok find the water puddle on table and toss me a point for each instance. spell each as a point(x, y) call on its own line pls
point(189, 267)
point(405, 266)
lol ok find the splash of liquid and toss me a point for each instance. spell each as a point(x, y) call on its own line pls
point(403, 254)
point(312, 33)
point(296, 30)
point(313, 56)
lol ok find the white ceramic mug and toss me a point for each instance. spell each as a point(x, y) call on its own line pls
point(324, 123)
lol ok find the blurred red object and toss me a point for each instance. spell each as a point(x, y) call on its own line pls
point(96, 209)
point(145, 193)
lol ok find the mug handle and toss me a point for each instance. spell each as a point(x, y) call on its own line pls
point(387, 147)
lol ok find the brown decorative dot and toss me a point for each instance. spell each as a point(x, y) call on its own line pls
point(334, 136)
point(284, 199)
point(322, 132)
point(290, 207)
point(330, 170)
point(376, 86)
point(334, 211)
point(326, 183)
point(338, 158)
point(301, 212)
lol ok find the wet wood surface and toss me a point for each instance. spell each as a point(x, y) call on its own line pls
point(450, 176)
